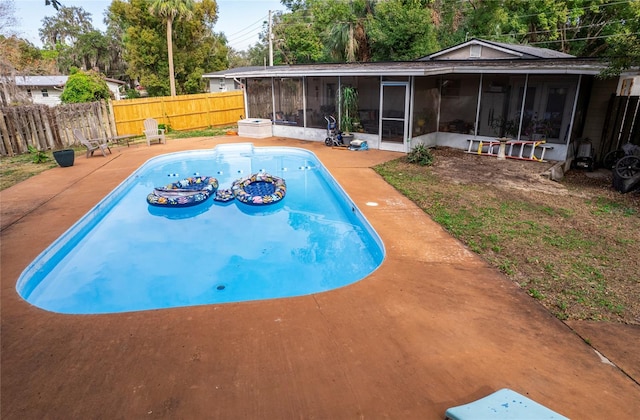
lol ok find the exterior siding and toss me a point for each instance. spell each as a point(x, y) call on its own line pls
point(601, 93)
point(486, 54)
point(55, 88)
point(52, 99)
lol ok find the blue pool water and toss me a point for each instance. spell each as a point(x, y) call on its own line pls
point(125, 255)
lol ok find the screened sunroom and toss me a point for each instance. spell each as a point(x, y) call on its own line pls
point(440, 100)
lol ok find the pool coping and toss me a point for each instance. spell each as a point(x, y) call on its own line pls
point(433, 327)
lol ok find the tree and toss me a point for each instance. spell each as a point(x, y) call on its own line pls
point(24, 58)
point(70, 37)
point(171, 10)
point(197, 48)
point(401, 30)
point(66, 26)
point(55, 3)
point(343, 28)
point(7, 17)
point(92, 48)
point(624, 47)
point(85, 86)
point(583, 28)
point(238, 58)
point(19, 57)
point(296, 40)
point(321, 31)
point(448, 19)
point(257, 54)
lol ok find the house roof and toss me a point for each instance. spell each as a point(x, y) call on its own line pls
point(533, 52)
point(421, 68)
point(116, 81)
point(58, 81)
point(522, 59)
point(514, 51)
point(41, 80)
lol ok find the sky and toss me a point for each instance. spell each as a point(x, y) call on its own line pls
point(240, 20)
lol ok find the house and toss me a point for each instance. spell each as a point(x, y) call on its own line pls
point(46, 90)
point(475, 91)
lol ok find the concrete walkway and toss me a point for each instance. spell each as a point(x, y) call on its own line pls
point(433, 327)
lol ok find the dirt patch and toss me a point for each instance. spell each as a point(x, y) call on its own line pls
point(572, 244)
point(527, 176)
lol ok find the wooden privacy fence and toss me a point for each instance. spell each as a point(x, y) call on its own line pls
point(45, 127)
point(186, 112)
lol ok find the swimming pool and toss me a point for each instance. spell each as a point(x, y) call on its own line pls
point(125, 255)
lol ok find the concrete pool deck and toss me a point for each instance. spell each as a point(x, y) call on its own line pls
point(432, 328)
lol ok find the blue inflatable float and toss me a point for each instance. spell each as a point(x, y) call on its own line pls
point(184, 193)
point(259, 189)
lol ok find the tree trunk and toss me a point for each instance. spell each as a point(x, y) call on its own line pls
point(172, 80)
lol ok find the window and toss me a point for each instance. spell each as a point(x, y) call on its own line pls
point(547, 110)
point(459, 103)
point(499, 107)
point(321, 100)
point(425, 116)
point(259, 98)
point(451, 87)
point(45, 93)
point(368, 88)
point(475, 51)
point(288, 97)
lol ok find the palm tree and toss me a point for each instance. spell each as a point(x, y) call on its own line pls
point(348, 40)
point(170, 10)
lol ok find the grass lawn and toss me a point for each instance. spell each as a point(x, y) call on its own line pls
point(574, 247)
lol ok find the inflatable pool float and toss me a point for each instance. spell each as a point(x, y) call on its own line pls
point(184, 193)
point(224, 195)
point(259, 189)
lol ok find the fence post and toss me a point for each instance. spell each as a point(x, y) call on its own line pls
point(6, 140)
point(48, 132)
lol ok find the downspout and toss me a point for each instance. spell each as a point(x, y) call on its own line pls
point(439, 106)
point(304, 101)
point(524, 101)
point(244, 96)
point(634, 119)
point(624, 118)
point(573, 115)
point(273, 101)
point(412, 93)
point(380, 113)
point(339, 100)
point(475, 126)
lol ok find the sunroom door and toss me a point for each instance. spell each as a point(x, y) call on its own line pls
point(394, 121)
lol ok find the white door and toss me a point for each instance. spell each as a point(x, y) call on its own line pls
point(394, 121)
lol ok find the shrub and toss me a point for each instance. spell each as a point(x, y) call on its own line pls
point(421, 155)
point(85, 86)
point(38, 155)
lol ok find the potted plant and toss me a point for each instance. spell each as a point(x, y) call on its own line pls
point(348, 112)
point(64, 157)
point(503, 127)
point(538, 129)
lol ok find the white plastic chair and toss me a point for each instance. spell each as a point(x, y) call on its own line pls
point(152, 132)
